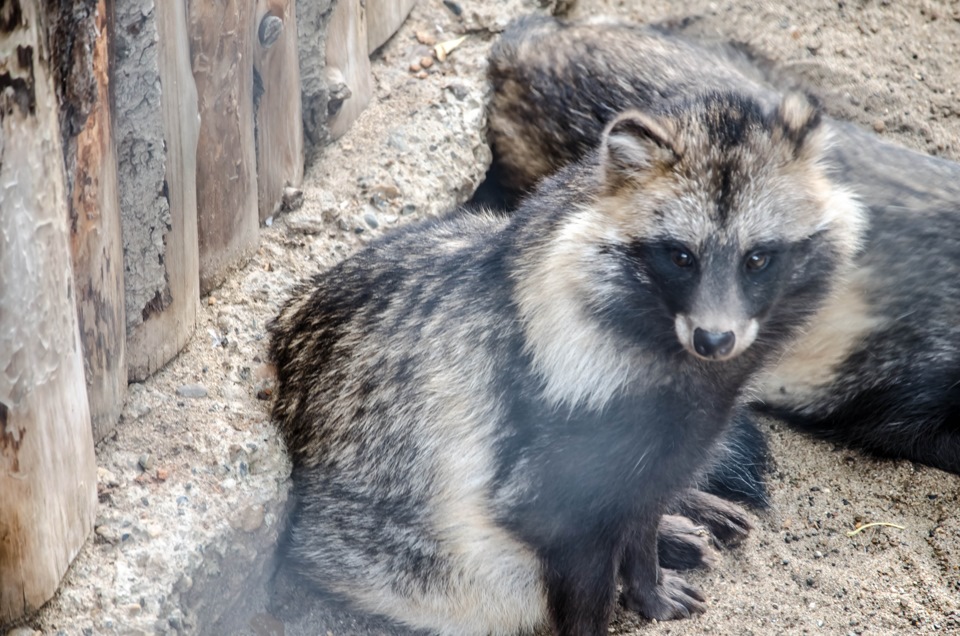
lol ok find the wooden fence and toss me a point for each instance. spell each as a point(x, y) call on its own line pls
point(142, 143)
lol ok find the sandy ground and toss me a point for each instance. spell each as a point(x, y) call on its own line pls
point(193, 483)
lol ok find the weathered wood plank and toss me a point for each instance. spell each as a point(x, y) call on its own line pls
point(80, 43)
point(335, 40)
point(384, 17)
point(277, 103)
point(313, 19)
point(156, 121)
point(221, 48)
point(348, 74)
point(47, 471)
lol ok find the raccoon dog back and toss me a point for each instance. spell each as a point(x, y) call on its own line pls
point(557, 84)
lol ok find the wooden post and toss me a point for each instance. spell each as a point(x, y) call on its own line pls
point(312, 20)
point(348, 74)
point(335, 75)
point(48, 492)
point(156, 122)
point(279, 122)
point(384, 17)
point(335, 41)
point(79, 42)
point(221, 48)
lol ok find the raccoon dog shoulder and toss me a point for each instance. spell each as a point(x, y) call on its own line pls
point(487, 415)
point(880, 366)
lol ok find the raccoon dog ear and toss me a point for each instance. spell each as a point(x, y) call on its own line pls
point(635, 143)
point(798, 120)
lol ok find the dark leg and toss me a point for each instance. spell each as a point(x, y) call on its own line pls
point(737, 472)
point(684, 545)
point(647, 588)
point(581, 584)
point(492, 193)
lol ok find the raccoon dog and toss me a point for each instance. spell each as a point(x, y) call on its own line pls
point(880, 367)
point(486, 416)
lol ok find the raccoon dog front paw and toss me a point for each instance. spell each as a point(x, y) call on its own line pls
point(670, 599)
point(684, 545)
point(728, 523)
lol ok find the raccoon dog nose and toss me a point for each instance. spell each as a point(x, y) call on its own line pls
point(709, 344)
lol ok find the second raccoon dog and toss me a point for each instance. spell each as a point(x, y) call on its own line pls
point(487, 416)
point(880, 366)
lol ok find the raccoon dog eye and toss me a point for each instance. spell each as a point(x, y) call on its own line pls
point(757, 261)
point(681, 257)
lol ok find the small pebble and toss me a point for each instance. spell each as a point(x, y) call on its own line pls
point(107, 478)
point(193, 391)
point(108, 534)
point(308, 226)
point(328, 202)
point(132, 609)
point(145, 462)
point(425, 37)
point(385, 192)
point(455, 8)
point(422, 75)
point(250, 518)
point(163, 474)
point(415, 67)
point(397, 140)
point(879, 125)
point(371, 219)
point(426, 61)
point(408, 209)
point(235, 451)
point(459, 91)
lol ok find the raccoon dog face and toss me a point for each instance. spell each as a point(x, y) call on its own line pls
point(723, 209)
